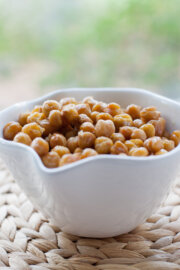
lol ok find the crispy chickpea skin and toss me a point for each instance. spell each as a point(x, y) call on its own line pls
point(90, 101)
point(87, 126)
point(99, 107)
point(70, 113)
point(70, 158)
point(161, 152)
point(23, 118)
point(154, 144)
point(50, 105)
point(175, 136)
point(149, 129)
point(35, 117)
point(168, 144)
point(126, 132)
point(119, 148)
point(11, 129)
point(113, 109)
point(73, 143)
point(88, 152)
point(51, 160)
point(61, 150)
point(137, 142)
point(134, 111)
point(48, 128)
point(117, 137)
point(139, 134)
point(66, 101)
point(83, 109)
point(139, 152)
point(55, 118)
point(138, 123)
point(57, 139)
point(37, 108)
point(83, 118)
point(79, 150)
point(104, 128)
point(149, 113)
point(130, 144)
point(103, 145)
point(104, 116)
point(123, 119)
point(93, 116)
point(159, 126)
point(86, 139)
point(23, 138)
point(40, 146)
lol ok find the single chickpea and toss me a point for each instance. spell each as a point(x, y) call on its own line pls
point(35, 117)
point(175, 136)
point(130, 144)
point(87, 126)
point(61, 150)
point(123, 119)
point(50, 105)
point(117, 137)
point(127, 131)
point(22, 138)
point(37, 108)
point(149, 113)
point(88, 152)
point(73, 143)
point(33, 130)
point(71, 133)
point(99, 107)
point(70, 114)
point(104, 116)
point(104, 128)
point(66, 101)
point(134, 111)
point(83, 109)
point(83, 118)
point(139, 134)
point(86, 139)
point(118, 148)
point(149, 129)
point(79, 150)
point(40, 146)
point(138, 123)
point(103, 145)
point(48, 128)
point(159, 126)
point(90, 101)
point(23, 118)
point(139, 152)
point(154, 144)
point(57, 139)
point(94, 116)
point(70, 158)
point(168, 144)
point(113, 109)
point(161, 152)
point(137, 142)
point(11, 129)
point(55, 118)
point(51, 160)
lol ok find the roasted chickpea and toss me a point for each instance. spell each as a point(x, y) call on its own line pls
point(118, 148)
point(168, 144)
point(50, 105)
point(69, 158)
point(35, 117)
point(57, 139)
point(139, 134)
point(48, 128)
point(161, 152)
point(55, 118)
point(104, 128)
point(113, 109)
point(86, 139)
point(51, 160)
point(83, 118)
point(23, 118)
point(11, 129)
point(88, 152)
point(130, 144)
point(154, 144)
point(103, 145)
point(138, 123)
point(93, 116)
point(149, 113)
point(137, 142)
point(37, 108)
point(83, 109)
point(71, 133)
point(99, 107)
point(61, 150)
point(40, 146)
point(66, 101)
point(90, 101)
point(175, 136)
point(22, 138)
point(149, 129)
point(139, 152)
point(73, 143)
point(127, 131)
point(104, 116)
point(134, 111)
point(123, 119)
point(79, 150)
point(87, 126)
point(159, 126)
point(70, 113)
point(117, 137)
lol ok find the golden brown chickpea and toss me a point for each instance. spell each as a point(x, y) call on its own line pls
point(139, 134)
point(139, 152)
point(149, 129)
point(99, 107)
point(154, 144)
point(134, 111)
point(79, 150)
point(159, 126)
point(149, 113)
point(130, 144)
point(117, 137)
point(71, 133)
point(23, 118)
point(87, 126)
point(83, 109)
point(37, 108)
point(57, 139)
point(50, 105)
point(168, 144)
point(90, 101)
point(55, 118)
point(175, 136)
point(104, 116)
point(40, 146)
point(127, 131)
point(51, 160)
point(86, 139)
point(11, 129)
point(118, 148)
point(70, 114)
point(22, 138)
point(66, 101)
point(93, 116)
point(83, 118)
point(104, 128)
point(138, 123)
point(35, 117)
point(161, 152)
point(48, 128)
point(123, 119)
point(61, 150)
point(73, 143)
point(69, 158)
point(137, 142)
point(103, 145)
point(88, 152)
point(113, 109)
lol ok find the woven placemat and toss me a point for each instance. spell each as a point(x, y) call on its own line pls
point(30, 241)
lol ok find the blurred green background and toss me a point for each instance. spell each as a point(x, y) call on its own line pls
point(45, 45)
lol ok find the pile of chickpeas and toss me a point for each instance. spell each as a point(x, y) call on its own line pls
point(67, 131)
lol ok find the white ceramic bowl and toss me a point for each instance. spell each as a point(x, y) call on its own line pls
point(100, 196)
